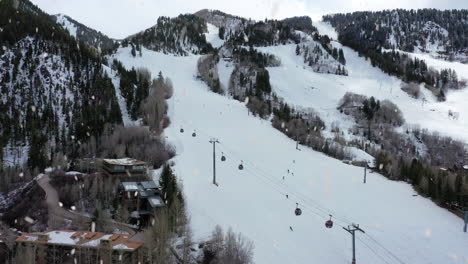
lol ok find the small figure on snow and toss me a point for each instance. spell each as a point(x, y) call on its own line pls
point(290, 227)
point(287, 197)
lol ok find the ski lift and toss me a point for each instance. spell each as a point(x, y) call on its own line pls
point(181, 130)
point(223, 158)
point(241, 167)
point(194, 134)
point(298, 210)
point(329, 223)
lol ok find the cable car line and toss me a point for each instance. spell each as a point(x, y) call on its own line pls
point(307, 202)
point(298, 194)
point(384, 248)
point(324, 212)
point(373, 251)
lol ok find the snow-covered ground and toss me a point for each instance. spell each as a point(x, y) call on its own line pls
point(66, 24)
point(225, 69)
point(213, 36)
point(302, 87)
point(456, 99)
point(253, 201)
point(126, 119)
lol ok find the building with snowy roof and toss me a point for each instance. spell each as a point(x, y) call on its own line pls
point(65, 246)
point(142, 200)
point(125, 168)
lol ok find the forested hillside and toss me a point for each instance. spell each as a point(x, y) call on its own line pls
point(225, 22)
point(181, 35)
point(55, 91)
point(379, 35)
point(426, 30)
point(83, 33)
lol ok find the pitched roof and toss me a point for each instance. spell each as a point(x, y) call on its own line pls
point(130, 186)
point(149, 185)
point(124, 162)
point(82, 239)
point(155, 201)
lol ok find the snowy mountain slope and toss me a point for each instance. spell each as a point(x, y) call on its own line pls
point(315, 56)
point(40, 91)
point(181, 35)
point(62, 20)
point(213, 37)
point(84, 33)
point(302, 87)
point(253, 200)
point(220, 19)
point(440, 33)
point(126, 119)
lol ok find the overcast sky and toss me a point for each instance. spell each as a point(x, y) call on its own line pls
point(120, 18)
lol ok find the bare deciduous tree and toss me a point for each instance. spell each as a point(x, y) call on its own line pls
point(157, 240)
point(411, 88)
point(155, 107)
point(229, 248)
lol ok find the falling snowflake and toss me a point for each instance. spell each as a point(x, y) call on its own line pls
point(428, 232)
point(60, 204)
point(29, 219)
point(33, 108)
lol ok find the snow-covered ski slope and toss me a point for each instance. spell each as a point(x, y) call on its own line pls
point(212, 36)
point(400, 227)
point(298, 86)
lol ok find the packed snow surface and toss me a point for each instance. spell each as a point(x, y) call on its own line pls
point(213, 36)
point(303, 88)
point(400, 226)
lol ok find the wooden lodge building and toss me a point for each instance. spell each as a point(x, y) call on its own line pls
point(142, 200)
point(79, 247)
point(125, 169)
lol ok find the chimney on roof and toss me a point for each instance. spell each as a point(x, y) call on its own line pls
point(43, 237)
